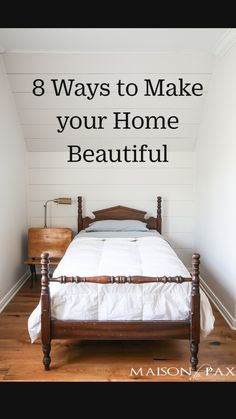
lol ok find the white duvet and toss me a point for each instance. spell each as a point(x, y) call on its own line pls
point(149, 256)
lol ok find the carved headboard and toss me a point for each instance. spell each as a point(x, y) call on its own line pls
point(119, 212)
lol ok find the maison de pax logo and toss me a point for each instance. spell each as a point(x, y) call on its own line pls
point(204, 371)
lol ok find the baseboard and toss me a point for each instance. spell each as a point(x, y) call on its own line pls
point(7, 298)
point(219, 305)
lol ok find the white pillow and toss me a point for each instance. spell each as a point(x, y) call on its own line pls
point(117, 225)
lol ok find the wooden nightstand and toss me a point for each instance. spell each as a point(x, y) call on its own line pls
point(52, 240)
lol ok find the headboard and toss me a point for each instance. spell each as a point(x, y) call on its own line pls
point(119, 212)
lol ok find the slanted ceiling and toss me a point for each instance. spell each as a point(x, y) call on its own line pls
point(170, 58)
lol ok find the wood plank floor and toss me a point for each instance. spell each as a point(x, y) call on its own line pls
point(108, 361)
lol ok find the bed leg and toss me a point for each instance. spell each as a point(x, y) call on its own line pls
point(45, 311)
point(193, 357)
point(195, 312)
point(46, 356)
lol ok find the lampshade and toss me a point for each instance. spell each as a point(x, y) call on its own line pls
point(66, 201)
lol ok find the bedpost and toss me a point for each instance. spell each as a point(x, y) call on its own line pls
point(80, 217)
point(195, 311)
point(45, 311)
point(159, 214)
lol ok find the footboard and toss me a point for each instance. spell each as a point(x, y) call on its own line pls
point(145, 330)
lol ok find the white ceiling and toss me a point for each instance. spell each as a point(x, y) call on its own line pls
point(111, 40)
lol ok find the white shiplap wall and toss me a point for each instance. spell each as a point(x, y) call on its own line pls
point(101, 186)
point(38, 114)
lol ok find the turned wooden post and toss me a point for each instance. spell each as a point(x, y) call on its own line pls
point(45, 311)
point(80, 217)
point(159, 199)
point(195, 312)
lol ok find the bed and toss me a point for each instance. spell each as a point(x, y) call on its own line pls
point(120, 284)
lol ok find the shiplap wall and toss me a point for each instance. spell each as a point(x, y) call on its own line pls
point(103, 185)
point(137, 185)
point(38, 114)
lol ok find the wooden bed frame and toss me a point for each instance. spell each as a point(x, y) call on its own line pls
point(120, 330)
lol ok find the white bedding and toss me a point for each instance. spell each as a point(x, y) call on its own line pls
point(148, 255)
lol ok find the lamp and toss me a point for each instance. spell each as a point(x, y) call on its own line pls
point(64, 201)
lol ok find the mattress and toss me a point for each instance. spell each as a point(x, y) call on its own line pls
point(142, 253)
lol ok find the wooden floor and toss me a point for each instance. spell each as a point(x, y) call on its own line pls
point(108, 361)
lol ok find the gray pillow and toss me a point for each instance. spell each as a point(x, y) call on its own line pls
point(117, 225)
